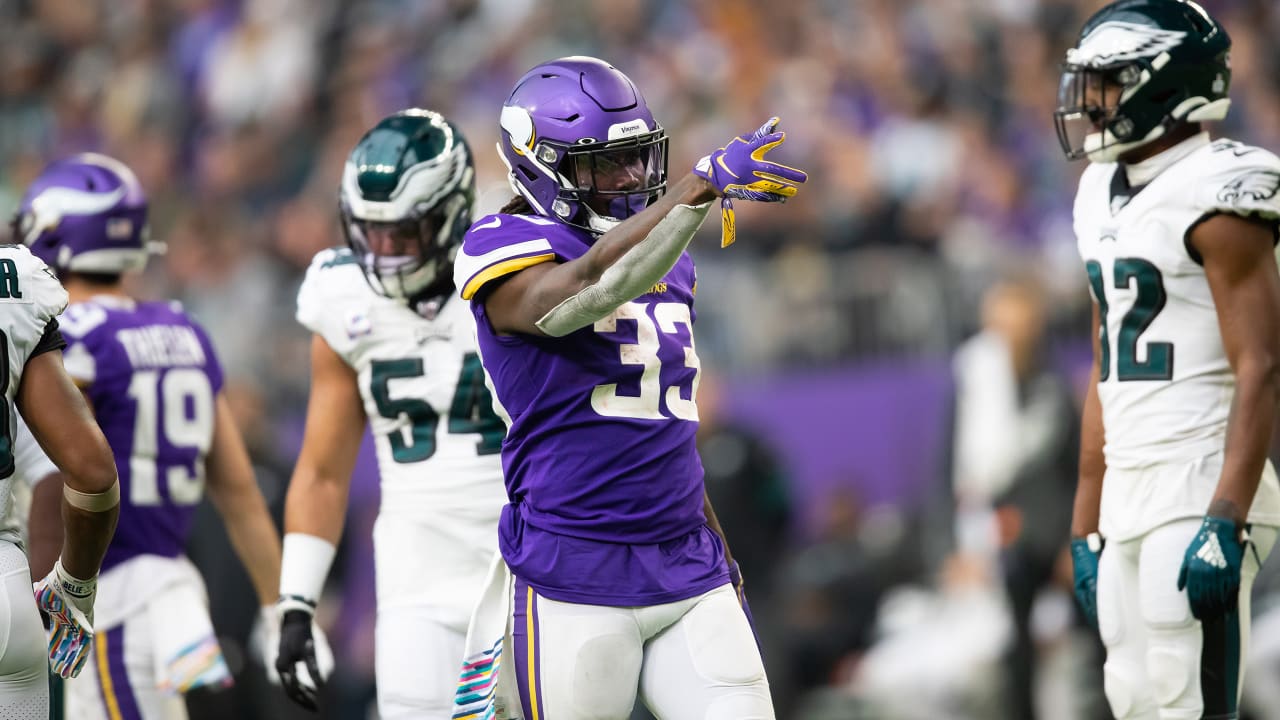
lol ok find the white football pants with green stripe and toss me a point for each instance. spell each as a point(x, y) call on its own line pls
point(1162, 662)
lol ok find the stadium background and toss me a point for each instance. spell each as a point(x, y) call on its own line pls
point(827, 332)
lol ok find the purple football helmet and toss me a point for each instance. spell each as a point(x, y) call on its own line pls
point(581, 145)
point(86, 213)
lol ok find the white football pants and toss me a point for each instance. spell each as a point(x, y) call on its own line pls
point(24, 659)
point(1161, 661)
point(416, 664)
point(695, 659)
point(429, 574)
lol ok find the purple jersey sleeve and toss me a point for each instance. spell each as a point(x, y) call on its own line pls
point(498, 245)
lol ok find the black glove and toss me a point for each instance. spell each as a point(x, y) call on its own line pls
point(297, 645)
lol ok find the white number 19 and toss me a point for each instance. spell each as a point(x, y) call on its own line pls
point(175, 389)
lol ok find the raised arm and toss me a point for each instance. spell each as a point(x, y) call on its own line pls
point(557, 299)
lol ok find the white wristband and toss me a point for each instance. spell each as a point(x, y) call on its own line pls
point(73, 586)
point(93, 502)
point(304, 566)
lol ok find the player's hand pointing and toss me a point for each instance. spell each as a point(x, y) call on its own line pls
point(740, 171)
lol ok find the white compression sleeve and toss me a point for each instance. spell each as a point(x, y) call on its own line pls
point(634, 273)
point(303, 568)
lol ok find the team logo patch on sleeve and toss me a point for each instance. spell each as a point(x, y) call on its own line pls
point(358, 324)
point(1255, 185)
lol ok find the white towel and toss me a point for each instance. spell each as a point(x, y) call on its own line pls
point(487, 687)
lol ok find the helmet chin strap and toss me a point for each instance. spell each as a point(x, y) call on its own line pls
point(600, 224)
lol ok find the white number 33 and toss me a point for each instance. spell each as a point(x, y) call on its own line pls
point(605, 399)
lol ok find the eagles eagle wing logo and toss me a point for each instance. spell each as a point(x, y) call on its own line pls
point(1116, 42)
point(1255, 185)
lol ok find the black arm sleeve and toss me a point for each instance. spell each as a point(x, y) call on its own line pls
point(51, 340)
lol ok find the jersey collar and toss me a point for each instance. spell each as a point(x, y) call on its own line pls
point(1141, 173)
point(115, 302)
point(1130, 179)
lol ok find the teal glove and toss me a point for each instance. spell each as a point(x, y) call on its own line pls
point(1084, 565)
point(1211, 567)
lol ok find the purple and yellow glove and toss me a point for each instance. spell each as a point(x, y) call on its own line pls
point(739, 171)
point(69, 603)
point(1211, 567)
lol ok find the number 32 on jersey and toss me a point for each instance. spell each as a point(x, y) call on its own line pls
point(1149, 299)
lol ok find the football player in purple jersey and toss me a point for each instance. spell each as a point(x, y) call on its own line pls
point(583, 298)
point(155, 385)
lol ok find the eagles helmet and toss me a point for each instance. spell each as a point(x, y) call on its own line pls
point(406, 198)
point(581, 145)
point(85, 214)
point(1140, 68)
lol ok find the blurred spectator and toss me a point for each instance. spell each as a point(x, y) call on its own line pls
point(835, 587)
point(748, 491)
point(1015, 458)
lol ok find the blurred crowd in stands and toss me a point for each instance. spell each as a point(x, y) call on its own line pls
point(935, 176)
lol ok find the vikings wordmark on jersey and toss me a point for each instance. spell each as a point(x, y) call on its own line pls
point(1165, 384)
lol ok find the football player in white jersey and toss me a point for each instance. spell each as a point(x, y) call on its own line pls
point(1177, 505)
point(393, 347)
point(34, 382)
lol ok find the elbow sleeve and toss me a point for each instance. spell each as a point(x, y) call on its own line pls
point(635, 272)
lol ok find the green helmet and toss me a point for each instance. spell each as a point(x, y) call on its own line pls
point(406, 197)
point(1140, 68)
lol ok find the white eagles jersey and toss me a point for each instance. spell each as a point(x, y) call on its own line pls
point(1165, 384)
point(438, 439)
point(31, 299)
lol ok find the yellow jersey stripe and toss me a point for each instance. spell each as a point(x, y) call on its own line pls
point(104, 678)
point(497, 270)
point(533, 658)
